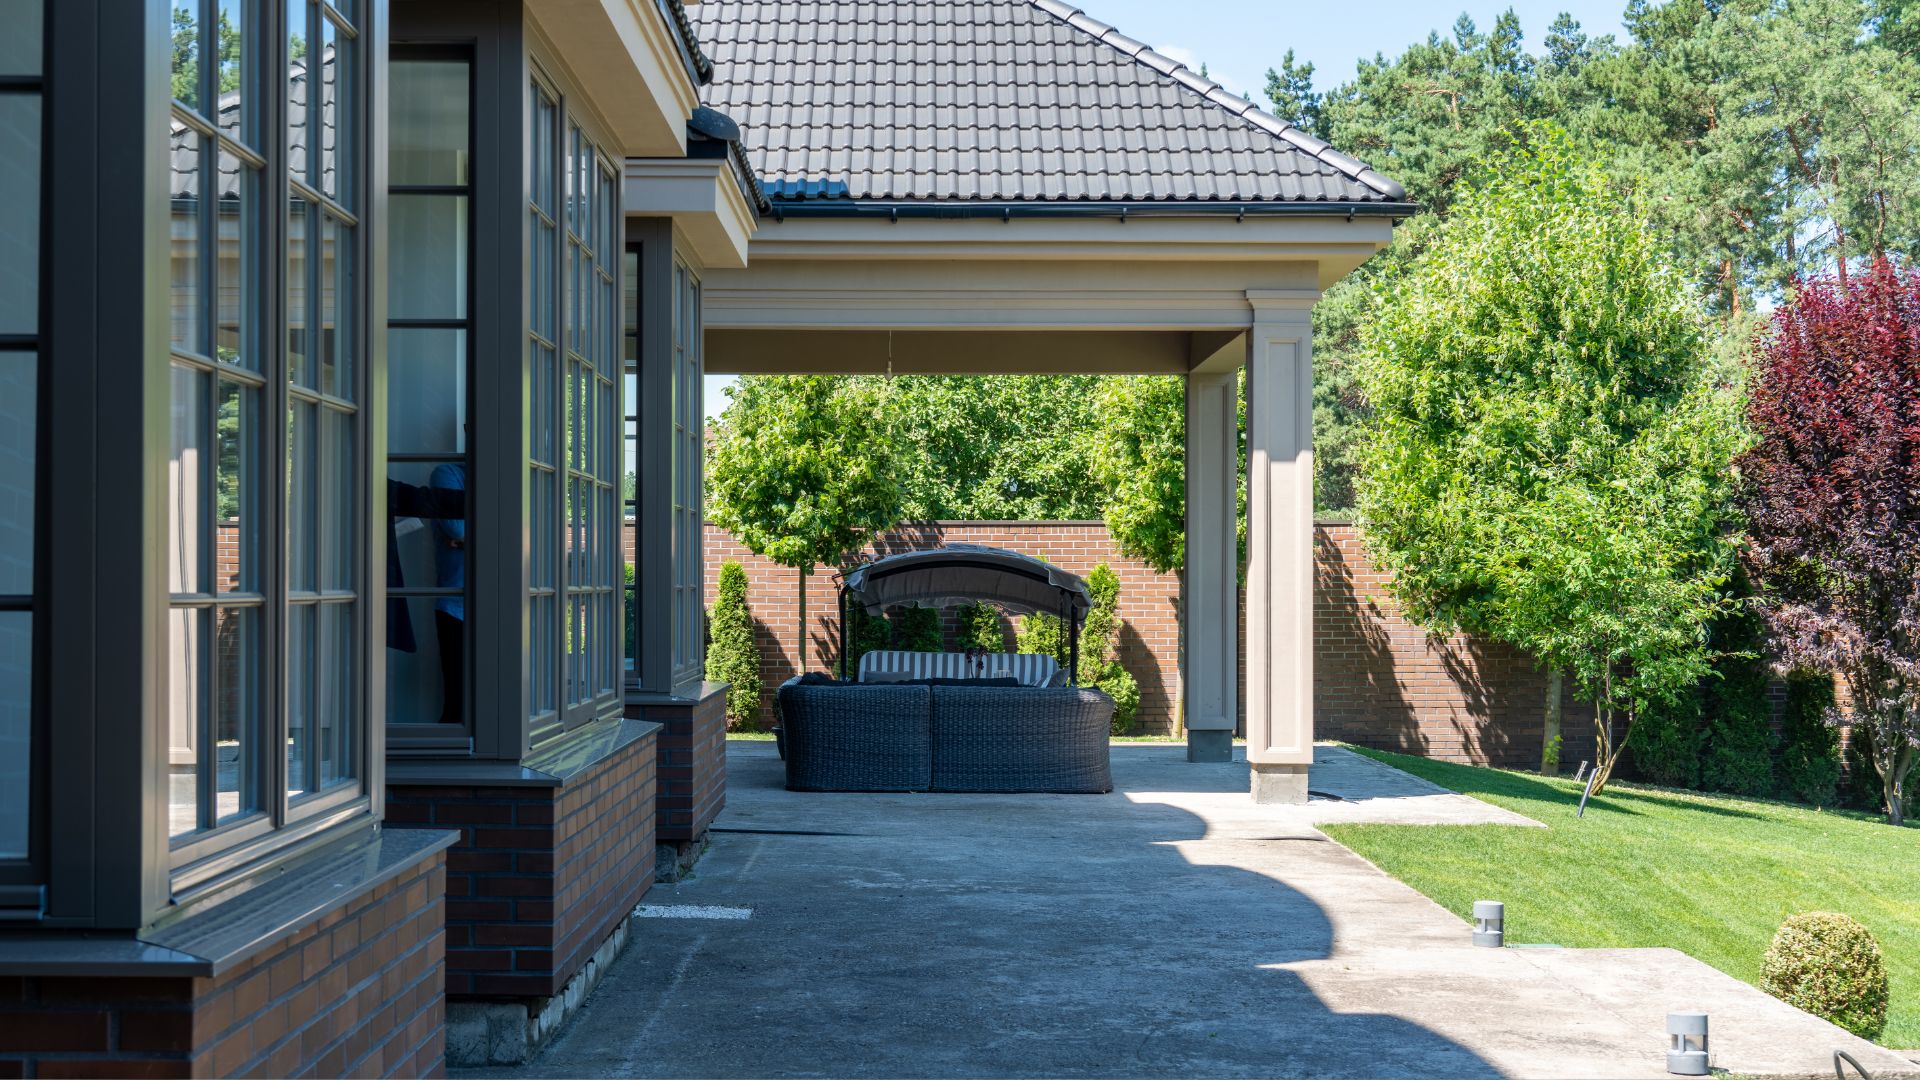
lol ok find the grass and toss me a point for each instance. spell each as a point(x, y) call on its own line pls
point(1708, 875)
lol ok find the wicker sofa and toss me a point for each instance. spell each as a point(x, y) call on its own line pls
point(906, 737)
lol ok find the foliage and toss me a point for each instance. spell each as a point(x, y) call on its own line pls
point(1100, 648)
point(1736, 755)
point(1546, 463)
point(865, 633)
point(631, 615)
point(733, 657)
point(1666, 742)
point(980, 628)
point(1043, 635)
point(1809, 745)
point(1709, 875)
point(917, 629)
point(1140, 465)
point(1829, 965)
point(1829, 491)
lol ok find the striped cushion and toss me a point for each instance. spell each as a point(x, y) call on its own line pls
point(1032, 669)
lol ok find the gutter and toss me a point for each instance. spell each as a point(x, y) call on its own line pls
point(894, 210)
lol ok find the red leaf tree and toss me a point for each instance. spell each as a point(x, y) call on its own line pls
point(1832, 491)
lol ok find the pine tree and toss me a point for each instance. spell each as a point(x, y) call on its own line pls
point(733, 657)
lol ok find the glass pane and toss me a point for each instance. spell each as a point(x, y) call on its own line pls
point(300, 697)
point(335, 742)
point(184, 241)
point(338, 515)
point(186, 54)
point(236, 443)
point(425, 685)
point(429, 137)
point(19, 212)
point(541, 655)
point(544, 378)
point(230, 73)
point(20, 46)
point(543, 153)
point(336, 56)
point(427, 257)
point(334, 340)
point(299, 34)
point(189, 475)
point(19, 380)
point(240, 719)
point(187, 703)
point(16, 730)
point(426, 391)
point(543, 255)
point(303, 496)
point(236, 288)
point(299, 294)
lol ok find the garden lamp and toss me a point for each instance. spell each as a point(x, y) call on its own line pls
point(1687, 1043)
point(1489, 923)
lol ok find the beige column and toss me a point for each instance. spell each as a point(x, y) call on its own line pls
point(1212, 601)
point(1280, 544)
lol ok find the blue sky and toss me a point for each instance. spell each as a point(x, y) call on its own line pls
point(1239, 40)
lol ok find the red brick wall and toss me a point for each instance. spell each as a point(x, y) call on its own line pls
point(692, 764)
point(358, 993)
point(541, 874)
point(1149, 602)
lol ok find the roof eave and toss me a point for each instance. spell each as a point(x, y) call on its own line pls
point(894, 209)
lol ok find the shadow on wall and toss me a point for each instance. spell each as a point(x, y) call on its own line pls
point(1357, 692)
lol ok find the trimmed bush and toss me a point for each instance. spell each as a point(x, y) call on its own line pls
point(1809, 745)
point(980, 628)
point(733, 657)
point(1736, 755)
point(1829, 965)
point(1665, 743)
point(1099, 646)
point(1044, 635)
point(918, 629)
point(865, 633)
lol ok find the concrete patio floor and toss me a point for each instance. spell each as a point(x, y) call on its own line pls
point(1171, 928)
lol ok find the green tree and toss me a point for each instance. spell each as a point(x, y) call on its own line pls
point(980, 628)
point(917, 629)
point(1809, 745)
point(1547, 463)
point(1100, 648)
point(802, 472)
point(733, 657)
point(1140, 464)
point(1290, 88)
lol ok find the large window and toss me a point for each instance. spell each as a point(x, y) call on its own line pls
point(689, 446)
point(20, 349)
point(265, 624)
point(429, 390)
point(573, 577)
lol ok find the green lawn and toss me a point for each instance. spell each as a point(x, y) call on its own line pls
point(1708, 875)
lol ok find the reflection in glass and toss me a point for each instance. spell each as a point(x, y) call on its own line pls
point(300, 697)
point(303, 493)
point(19, 213)
point(186, 715)
point(299, 296)
point(230, 74)
point(234, 440)
point(336, 53)
point(426, 391)
point(236, 768)
point(430, 122)
point(20, 45)
point(427, 257)
point(188, 477)
point(186, 55)
point(299, 34)
point(19, 427)
point(331, 341)
point(16, 730)
point(234, 261)
point(336, 495)
point(184, 238)
point(335, 742)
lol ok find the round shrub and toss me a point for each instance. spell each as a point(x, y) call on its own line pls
point(1830, 966)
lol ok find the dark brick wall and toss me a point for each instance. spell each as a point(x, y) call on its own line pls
point(357, 993)
point(540, 875)
point(692, 763)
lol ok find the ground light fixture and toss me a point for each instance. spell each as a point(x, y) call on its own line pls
point(1489, 923)
point(1687, 1044)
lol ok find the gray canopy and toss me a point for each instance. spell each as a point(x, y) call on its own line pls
point(966, 573)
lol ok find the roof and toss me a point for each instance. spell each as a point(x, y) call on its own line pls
point(966, 573)
point(846, 101)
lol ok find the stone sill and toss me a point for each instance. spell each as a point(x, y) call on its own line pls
point(551, 765)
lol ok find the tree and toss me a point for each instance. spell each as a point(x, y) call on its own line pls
point(732, 655)
point(1809, 744)
point(1829, 489)
point(1290, 88)
point(1100, 648)
point(980, 628)
point(1140, 465)
point(1546, 460)
point(917, 629)
point(802, 472)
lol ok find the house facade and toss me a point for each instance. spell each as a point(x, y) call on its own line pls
point(340, 339)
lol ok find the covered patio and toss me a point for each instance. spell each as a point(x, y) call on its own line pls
point(1031, 192)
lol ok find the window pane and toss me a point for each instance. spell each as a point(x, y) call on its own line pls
point(336, 293)
point(339, 514)
point(429, 137)
point(339, 696)
point(299, 35)
point(19, 378)
point(186, 54)
point(16, 730)
point(184, 241)
point(236, 445)
point(427, 257)
point(336, 56)
point(300, 697)
point(543, 254)
point(236, 287)
point(241, 721)
point(186, 714)
point(425, 685)
point(19, 212)
point(20, 45)
point(189, 475)
point(231, 34)
point(299, 293)
point(303, 496)
point(426, 391)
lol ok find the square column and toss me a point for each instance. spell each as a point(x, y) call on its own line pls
point(1211, 666)
point(1280, 543)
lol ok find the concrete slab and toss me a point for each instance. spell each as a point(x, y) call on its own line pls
point(1169, 928)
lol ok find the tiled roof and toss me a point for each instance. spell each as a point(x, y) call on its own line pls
point(995, 101)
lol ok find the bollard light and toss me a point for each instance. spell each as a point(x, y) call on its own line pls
point(1687, 1044)
point(1489, 923)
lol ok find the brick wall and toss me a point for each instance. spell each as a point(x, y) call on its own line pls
point(541, 874)
point(692, 764)
point(357, 993)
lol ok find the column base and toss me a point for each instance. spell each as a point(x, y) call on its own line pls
point(1209, 746)
point(1279, 785)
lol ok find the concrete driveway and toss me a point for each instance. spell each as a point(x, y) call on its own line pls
point(1171, 928)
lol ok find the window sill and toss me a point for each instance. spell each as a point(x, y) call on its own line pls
point(553, 764)
point(693, 693)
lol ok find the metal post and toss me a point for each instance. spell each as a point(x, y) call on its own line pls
point(846, 672)
point(1073, 652)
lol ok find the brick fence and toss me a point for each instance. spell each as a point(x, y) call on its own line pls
point(1379, 680)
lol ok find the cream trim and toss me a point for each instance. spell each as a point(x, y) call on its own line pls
point(704, 198)
point(624, 57)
